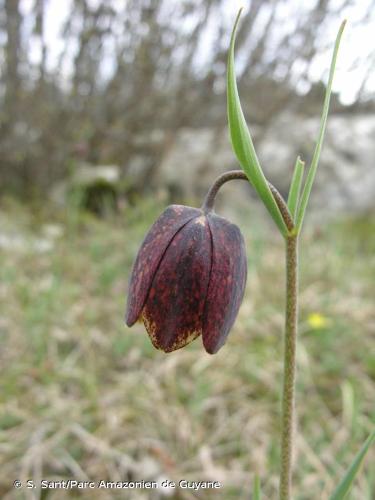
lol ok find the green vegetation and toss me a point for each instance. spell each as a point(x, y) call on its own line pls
point(84, 397)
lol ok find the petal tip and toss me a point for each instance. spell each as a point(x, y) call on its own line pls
point(130, 316)
point(212, 348)
point(129, 322)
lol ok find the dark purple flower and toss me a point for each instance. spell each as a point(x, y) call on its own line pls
point(188, 279)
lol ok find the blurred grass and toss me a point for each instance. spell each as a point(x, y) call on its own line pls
point(83, 397)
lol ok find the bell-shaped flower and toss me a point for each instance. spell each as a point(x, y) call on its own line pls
point(188, 279)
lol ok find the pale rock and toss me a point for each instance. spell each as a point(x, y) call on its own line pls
point(345, 180)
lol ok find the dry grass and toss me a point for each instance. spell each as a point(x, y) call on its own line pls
point(83, 397)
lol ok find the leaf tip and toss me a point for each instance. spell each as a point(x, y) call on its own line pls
point(237, 18)
point(341, 29)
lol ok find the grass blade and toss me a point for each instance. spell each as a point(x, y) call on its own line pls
point(344, 486)
point(295, 187)
point(323, 122)
point(256, 489)
point(242, 143)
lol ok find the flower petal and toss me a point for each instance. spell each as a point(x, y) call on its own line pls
point(227, 282)
point(150, 254)
point(174, 306)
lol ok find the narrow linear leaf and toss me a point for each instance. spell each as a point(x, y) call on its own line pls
point(256, 489)
point(295, 187)
point(344, 486)
point(323, 122)
point(242, 143)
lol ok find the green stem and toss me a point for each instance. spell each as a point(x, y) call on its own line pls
point(288, 401)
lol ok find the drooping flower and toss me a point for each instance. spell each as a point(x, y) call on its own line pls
point(188, 279)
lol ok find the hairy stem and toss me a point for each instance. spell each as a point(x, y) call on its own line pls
point(288, 404)
point(290, 341)
point(209, 200)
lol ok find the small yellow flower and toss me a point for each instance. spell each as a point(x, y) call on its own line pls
point(317, 321)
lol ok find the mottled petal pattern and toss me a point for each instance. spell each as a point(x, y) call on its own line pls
point(151, 253)
point(227, 282)
point(175, 303)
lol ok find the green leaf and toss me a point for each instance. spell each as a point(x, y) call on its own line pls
point(343, 488)
point(323, 122)
point(295, 187)
point(256, 489)
point(242, 143)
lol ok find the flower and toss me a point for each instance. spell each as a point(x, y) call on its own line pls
point(317, 321)
point(188, 279)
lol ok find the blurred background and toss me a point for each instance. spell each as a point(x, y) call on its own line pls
point(109, 111)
